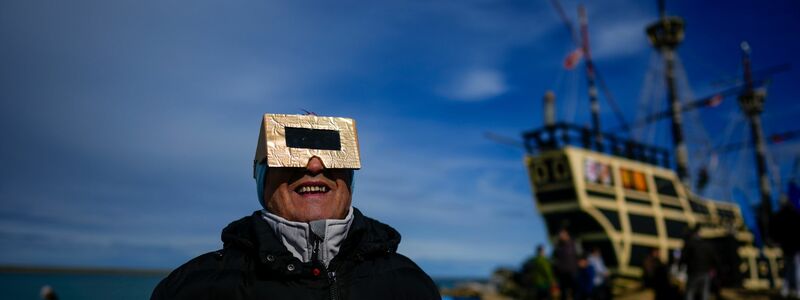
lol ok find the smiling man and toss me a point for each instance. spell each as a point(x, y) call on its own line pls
point(308, 242)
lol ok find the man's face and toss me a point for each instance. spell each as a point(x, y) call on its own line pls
point(563, 235)
point(308, 194)
point(582, 263)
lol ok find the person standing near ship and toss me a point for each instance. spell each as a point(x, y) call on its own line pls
point(308, 241)
point(602, 289)
point(699, 258)
point(584, 287)
point(565, 261)
point(538, 276)
point(784, 226)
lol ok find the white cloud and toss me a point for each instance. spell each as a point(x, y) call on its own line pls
point(190, 96)
point(460, 207)
point(476, 85)
point(619, 38)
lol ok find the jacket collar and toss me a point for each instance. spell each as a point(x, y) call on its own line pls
point(319, 240)
point(365, 238)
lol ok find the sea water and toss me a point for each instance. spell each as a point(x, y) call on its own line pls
point(24, 286)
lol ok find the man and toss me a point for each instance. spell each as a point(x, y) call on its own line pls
point(784, 231)
point(650, 267)
point(308, 242)
point(656, 276)
point(602, 289)
point(699, 258)
point(584, 286)
point(538, 276)
point(565, 262)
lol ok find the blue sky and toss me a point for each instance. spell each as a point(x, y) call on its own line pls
point(129, 126)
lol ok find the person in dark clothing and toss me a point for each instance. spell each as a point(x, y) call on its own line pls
point(585, 282)
point(784, 231)
point(308, 242)
point(565, 262)
point(537, 276)
point(649, 267)
point(699, 258)
point(656, 277)
point(48, 293)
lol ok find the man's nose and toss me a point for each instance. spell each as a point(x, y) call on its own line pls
point(315, 165)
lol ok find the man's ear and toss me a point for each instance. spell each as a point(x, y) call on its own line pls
point(261, 181)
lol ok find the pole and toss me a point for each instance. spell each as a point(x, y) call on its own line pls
point(590, 76)
point(751, 102)
point(549, 108)
point(665, 35)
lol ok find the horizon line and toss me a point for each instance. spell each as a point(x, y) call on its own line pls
point(34, 269)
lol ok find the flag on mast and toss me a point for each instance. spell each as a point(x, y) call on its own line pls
point(573, 58)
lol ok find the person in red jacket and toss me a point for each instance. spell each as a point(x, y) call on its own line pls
point(308, 242)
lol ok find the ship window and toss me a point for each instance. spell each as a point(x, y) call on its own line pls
point(725, 213)
point(675, 229)
point(574, 221)
point(597, 172)
point(665, 187)
point(605, 196)
point(555, 196)
point(643, 224)
point(698, 207)
point(633, 180)
point(612, 217)
point(668, 205)
point(549, 171)
point(637, 201)
point(638, 254)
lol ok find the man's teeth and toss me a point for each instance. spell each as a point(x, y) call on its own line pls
point(312, 189)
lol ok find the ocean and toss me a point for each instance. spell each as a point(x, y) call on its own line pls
point(26, 286)
point(95, 286)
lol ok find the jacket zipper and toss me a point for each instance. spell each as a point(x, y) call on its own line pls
point(334, 288)
point(334, 285)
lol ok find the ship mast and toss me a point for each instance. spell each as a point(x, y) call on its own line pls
point(665, 35)
point(751, 101)
point(590, 76)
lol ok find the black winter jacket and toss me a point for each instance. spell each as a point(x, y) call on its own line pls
point(254, 264)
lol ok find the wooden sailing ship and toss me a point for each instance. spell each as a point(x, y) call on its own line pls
point(623, 197)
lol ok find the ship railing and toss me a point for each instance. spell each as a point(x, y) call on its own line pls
point(561, 134)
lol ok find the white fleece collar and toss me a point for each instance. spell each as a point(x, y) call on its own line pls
point(300, 238)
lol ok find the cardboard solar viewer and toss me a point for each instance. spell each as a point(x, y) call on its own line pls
point(289, 141)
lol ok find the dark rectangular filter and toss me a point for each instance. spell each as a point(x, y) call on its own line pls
point(307, 138)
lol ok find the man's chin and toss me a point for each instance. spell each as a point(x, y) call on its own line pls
point(307, 210)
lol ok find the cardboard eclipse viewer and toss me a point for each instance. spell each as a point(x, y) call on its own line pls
point(289, 141)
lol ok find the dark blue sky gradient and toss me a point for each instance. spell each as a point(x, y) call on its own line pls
point(129, 126)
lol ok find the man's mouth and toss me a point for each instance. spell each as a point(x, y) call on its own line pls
point(310, 188)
